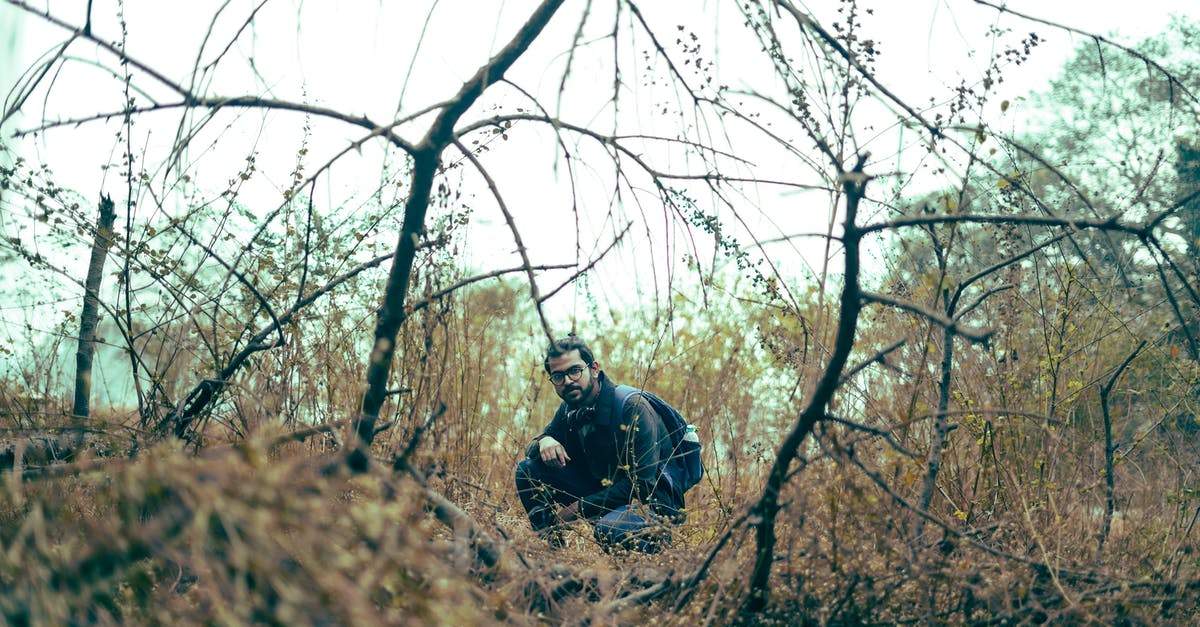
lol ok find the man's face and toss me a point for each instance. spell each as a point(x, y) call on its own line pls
point(574, 380)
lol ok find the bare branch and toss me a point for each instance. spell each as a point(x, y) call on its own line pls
point(591, 264)
point(880, 357)
point(193, 100)
point(89, 316)
point(883, 434)
point(975, 335)
point(1110, 224)
point(426, 161)
point(767, 508)
point(690, 585)
point(982, 297)
point(1175, 83)
point(516, 233)
point(1110, 499)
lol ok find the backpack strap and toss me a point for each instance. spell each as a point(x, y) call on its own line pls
point(673, 502)
point(685, 455)
point(623, 393)
point(626, 392)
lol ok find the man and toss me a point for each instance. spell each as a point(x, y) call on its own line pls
point(597, 458)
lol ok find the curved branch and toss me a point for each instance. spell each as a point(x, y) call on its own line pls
point(1002, 264)
point(27, 88)
point(767, 508)
point(688, 587)
point(192, 100)
point(883, 434)
point(607, 140)
point(1099, 39)
point(806, 21)
point(591, 264)
point(880, 356)
point(516, 233)
point(974, 335)
point(979, 301)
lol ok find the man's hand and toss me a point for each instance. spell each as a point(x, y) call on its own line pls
point(553, 452)
point(568, 513)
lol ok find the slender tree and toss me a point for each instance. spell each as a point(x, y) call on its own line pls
point(90, 314)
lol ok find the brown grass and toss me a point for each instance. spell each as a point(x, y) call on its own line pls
point(248, 534)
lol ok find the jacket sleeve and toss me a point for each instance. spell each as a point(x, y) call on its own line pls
point(554, 430)
point(638, 466)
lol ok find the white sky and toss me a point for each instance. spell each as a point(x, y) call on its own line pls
point(354, 56)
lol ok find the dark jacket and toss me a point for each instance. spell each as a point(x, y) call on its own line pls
point(625, 448)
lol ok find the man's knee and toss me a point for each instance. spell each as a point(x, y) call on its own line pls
point(524, 468)
point(633, 530)
point(533, 475)
point(533, 469)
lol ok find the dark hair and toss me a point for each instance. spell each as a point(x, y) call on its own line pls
point(565, 345)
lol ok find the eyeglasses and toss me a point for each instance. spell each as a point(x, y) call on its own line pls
point(572, 374)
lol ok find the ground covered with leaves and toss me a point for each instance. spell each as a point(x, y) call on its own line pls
point(281, 535)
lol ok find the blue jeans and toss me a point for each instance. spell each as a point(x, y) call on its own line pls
point(632, 527)
point(543, 489)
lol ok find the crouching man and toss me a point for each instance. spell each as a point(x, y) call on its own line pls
point(602, 458)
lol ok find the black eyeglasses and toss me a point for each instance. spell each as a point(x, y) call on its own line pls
point(572, 374)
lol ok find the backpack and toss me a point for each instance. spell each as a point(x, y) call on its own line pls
point(685, 457)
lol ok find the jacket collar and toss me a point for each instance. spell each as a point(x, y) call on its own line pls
point(605, 401)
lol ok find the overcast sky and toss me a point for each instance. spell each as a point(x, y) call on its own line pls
point(358, 57)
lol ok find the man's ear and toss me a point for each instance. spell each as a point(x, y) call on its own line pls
point(595, 367)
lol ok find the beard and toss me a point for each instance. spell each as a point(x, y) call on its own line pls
point(576, 394)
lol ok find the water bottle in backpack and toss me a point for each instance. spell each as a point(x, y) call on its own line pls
point(691, 453)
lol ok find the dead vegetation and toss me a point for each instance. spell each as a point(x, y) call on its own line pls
point(263, 533)
point(979, 409)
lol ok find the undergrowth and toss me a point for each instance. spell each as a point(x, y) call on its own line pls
point(262, 533)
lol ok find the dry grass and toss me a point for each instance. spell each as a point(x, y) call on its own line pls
point(231, 538)
point(248, 531)
point(245, 535)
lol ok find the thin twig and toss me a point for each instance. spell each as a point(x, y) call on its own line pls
point(974, 335)
point(1174, 82)
point(516, 234)
point(880, 357)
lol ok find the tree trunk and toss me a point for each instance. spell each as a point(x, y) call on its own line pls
point(91, 310)
point(941, 425)
point(767, 509)
point(1110, 482)
point(426, 160)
